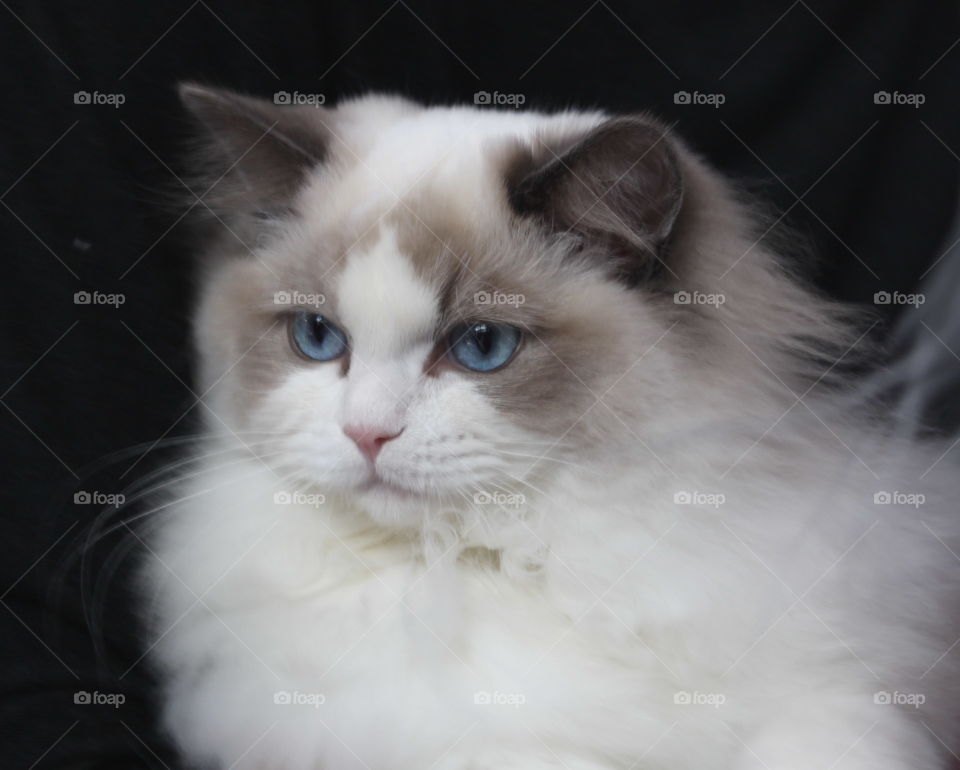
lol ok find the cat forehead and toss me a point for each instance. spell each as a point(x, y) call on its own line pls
point(383, 158)
point(383, 301)
point(404, 283)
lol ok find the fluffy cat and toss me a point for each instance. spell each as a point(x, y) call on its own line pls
point(525, 451)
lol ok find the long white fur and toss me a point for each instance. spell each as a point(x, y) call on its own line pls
point(783, 614)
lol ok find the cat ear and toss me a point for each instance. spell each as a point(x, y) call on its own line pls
point(618, 188)
point(253, 154)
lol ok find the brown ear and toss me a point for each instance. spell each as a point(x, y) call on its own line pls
point(619, 188)
point(253, 154)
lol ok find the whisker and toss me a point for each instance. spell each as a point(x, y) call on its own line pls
point(118, 554)
point(197, 458)
point(526, 483)
point(570, 463)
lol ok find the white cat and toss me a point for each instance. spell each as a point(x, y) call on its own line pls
point(525, 452)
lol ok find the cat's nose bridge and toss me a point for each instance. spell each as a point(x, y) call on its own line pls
point(377, 393)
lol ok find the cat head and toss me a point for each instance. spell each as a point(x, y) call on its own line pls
point(423, 309)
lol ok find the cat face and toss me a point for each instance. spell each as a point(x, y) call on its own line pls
point(409, 321)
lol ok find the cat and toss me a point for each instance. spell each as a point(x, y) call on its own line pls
point(527, 450)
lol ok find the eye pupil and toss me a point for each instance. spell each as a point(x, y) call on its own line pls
point(483, 338)
point(319, 328)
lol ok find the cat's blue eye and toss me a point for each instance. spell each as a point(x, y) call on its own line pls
point(483, 345)
point(317, 338)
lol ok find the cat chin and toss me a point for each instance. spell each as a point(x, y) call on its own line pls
point(392, 506)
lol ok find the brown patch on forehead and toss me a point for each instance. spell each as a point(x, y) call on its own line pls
point(433, 247)
point(442, 244)
point(316, 262)
point(506, 273)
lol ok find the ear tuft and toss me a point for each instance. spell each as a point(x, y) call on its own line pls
point(619, 188)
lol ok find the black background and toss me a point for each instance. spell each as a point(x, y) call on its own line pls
point(85, 193)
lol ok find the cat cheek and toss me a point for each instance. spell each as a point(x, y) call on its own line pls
point(298, 412)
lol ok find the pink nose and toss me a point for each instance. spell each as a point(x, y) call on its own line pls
point(370, 440)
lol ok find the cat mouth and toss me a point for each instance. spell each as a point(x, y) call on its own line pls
point(377, 484)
